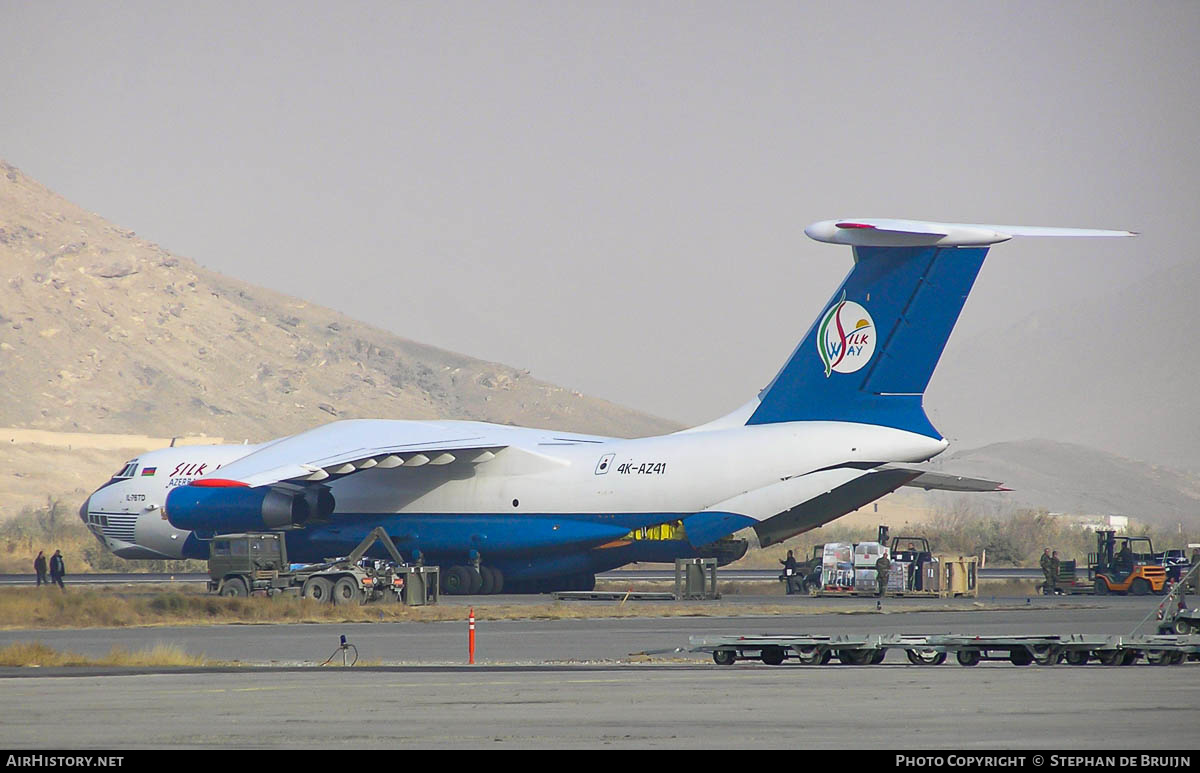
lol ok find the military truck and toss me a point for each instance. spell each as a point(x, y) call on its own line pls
point(256, 562)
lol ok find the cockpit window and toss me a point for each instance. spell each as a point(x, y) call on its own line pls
point(127, 471)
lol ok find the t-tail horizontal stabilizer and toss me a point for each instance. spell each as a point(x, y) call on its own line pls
point(870, 354)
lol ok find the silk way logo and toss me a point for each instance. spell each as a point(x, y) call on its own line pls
point(846, 338)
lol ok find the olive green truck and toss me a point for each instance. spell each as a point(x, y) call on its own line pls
point(256, 562)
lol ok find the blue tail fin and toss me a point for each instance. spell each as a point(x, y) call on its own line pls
point(869, 356)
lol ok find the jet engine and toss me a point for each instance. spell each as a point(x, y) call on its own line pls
point(225, 509)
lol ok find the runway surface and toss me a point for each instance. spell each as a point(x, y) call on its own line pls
point(636, 575)
point(580, 683)
point(740, 707)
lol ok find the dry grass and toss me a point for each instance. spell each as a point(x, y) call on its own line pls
point(26, 608)
point(38, 654)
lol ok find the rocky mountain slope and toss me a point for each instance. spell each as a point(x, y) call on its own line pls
point(101, 331)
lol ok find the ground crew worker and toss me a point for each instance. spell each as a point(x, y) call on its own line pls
point(1047, 564)
point(789, 573)
point(39, 566)
point(1055, 567)
point(882, 567)
point(57, 568)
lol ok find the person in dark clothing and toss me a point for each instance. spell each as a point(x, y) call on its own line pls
point(882, 568)
point(39, 566)
point(58, 569)
point(791, 577)
point(1055, 570)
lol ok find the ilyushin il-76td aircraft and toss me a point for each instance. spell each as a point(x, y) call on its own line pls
point(521, 510)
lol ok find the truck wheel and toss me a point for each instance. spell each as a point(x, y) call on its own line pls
point(1140, 587)
point(724, 657)
point(1182, 627)
point(968, 657)
point(346, 592)
point(1020, 657)
point(317, 589)
point(234, 587)
point(487, 584)
point(925, 657)
point(772, 656)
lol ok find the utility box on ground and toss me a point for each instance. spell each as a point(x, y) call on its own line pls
point(696, 579)
point(420, 585)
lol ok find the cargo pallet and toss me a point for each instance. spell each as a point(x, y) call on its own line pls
point(932, 650)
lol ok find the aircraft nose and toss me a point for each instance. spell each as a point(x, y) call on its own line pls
point(83, 509)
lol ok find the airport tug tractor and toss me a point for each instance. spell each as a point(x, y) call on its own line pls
point(1125, 565)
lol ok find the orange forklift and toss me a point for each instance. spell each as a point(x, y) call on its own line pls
point(1125, 565)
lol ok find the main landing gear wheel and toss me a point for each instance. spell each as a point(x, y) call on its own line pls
point(317, 588)
point(346, 592)
point(925, 657)
point(487, 585)
point(497, 579)
point(475, 579)
point(724, 657)
point(968, 657)
point(456, 581)
point(234, 587)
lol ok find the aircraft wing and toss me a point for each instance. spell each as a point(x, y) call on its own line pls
point(345, 447)
point(941, 481)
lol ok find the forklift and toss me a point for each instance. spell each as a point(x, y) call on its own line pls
point(1125, 565)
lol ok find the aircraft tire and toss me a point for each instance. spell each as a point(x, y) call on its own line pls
point(498, 581)
point(475, 580)
point(317, 589)
point(234, 587)
point(346, 592)
point(487, 584)
point(456, 581)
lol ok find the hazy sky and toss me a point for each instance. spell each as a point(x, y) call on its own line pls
point(612, 195)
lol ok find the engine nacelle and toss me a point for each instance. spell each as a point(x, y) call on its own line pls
point(224, 509)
